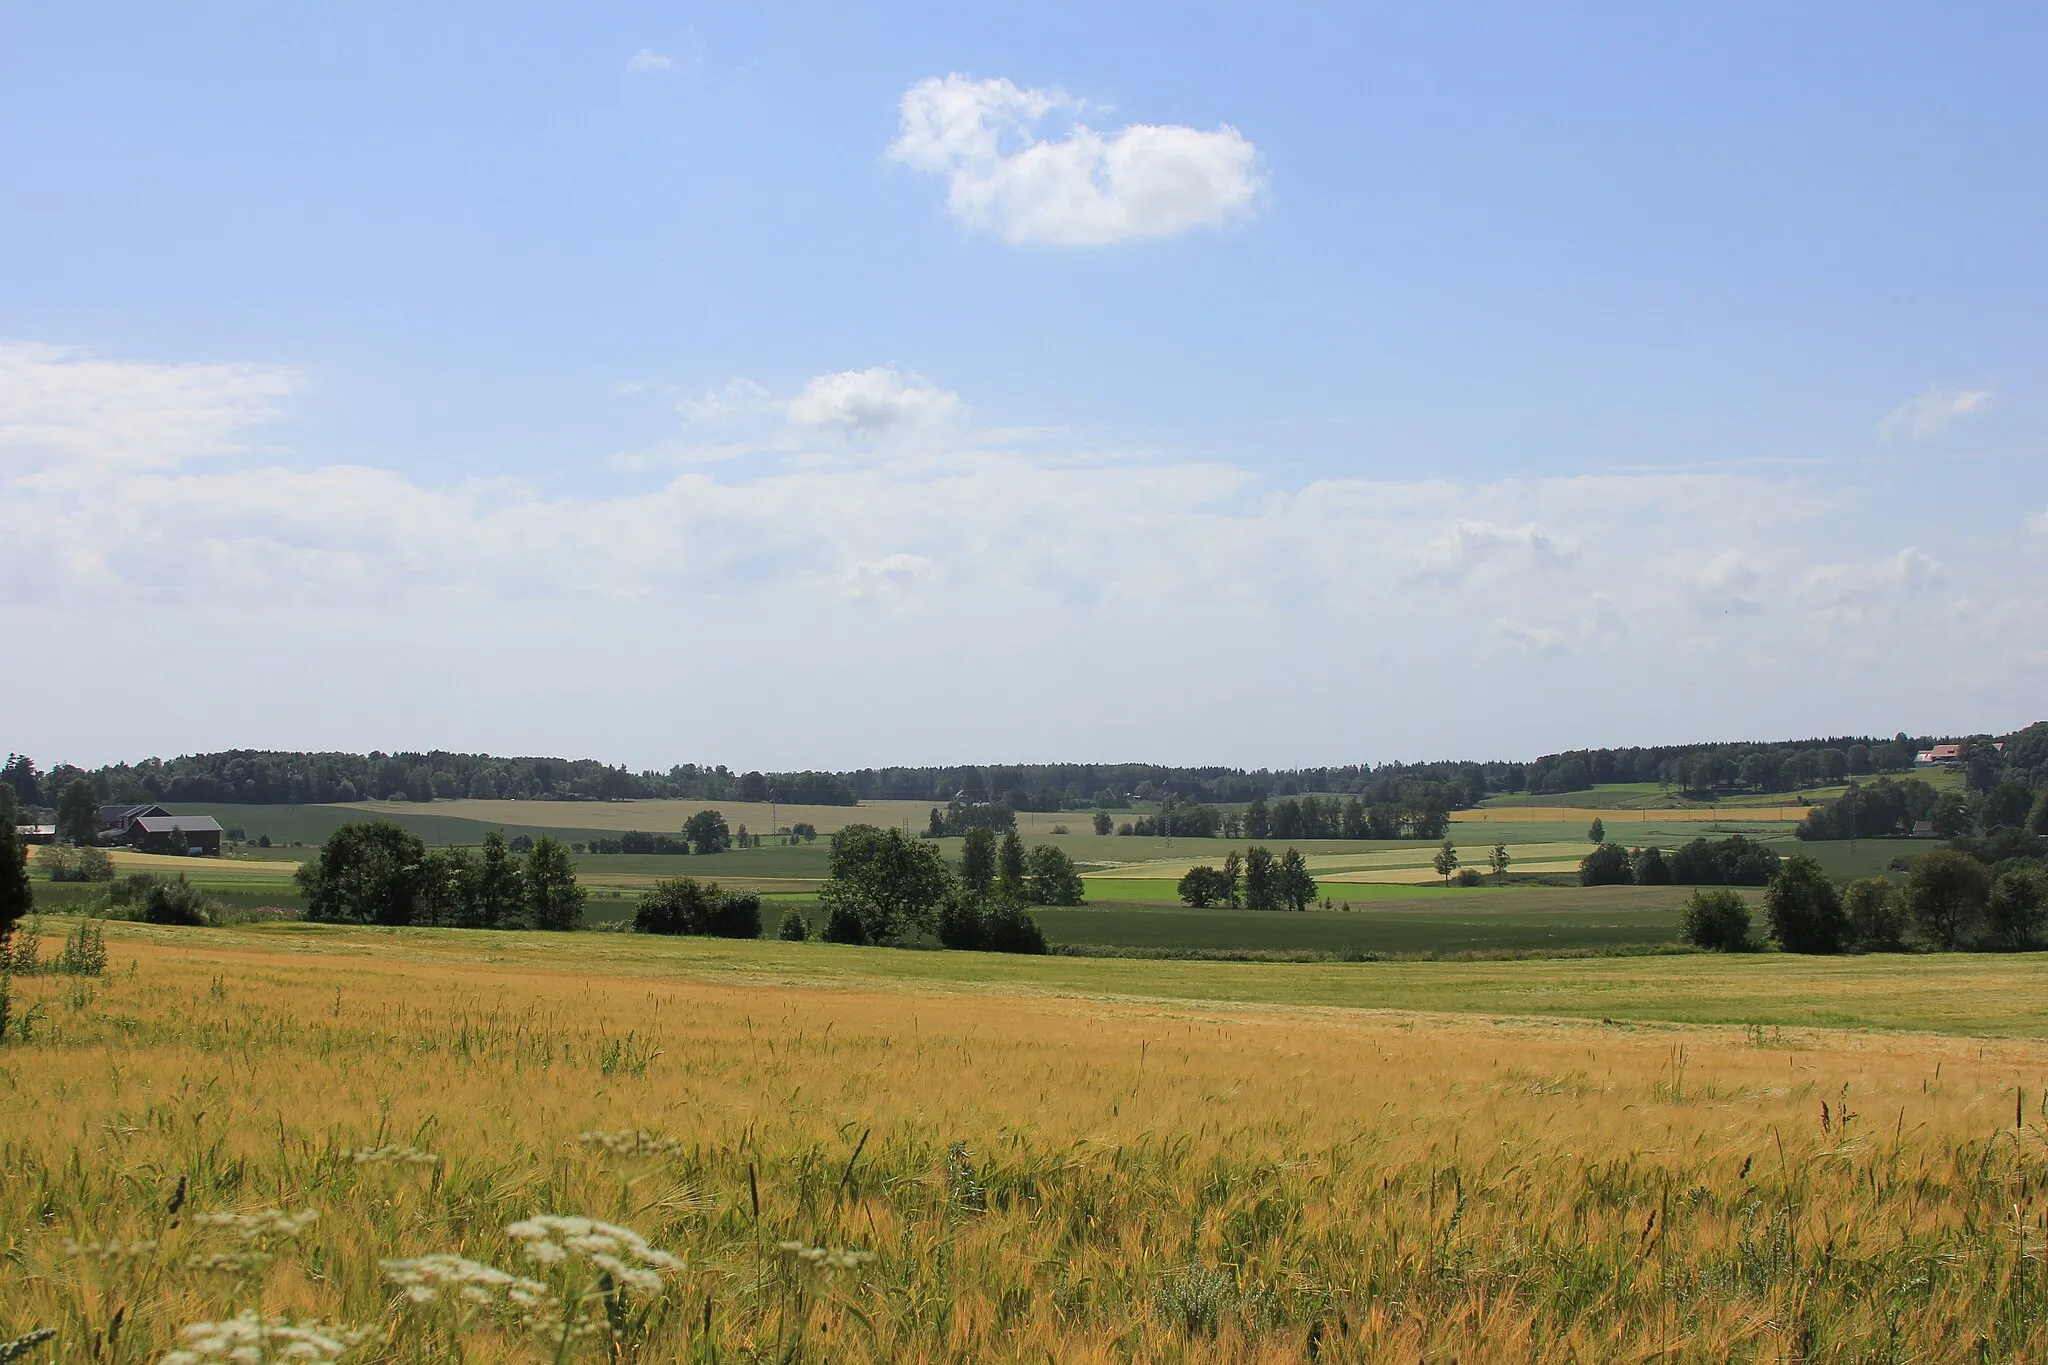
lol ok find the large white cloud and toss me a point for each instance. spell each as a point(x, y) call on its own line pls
point(958, 595)
point(1083, 189)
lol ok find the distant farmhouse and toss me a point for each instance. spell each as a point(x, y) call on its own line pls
point(1940, 756)
point(36, 834)
point(152, 829)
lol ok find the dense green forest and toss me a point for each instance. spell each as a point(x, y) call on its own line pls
point(1702, 770)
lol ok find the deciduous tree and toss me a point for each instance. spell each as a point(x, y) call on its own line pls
point(554, 899)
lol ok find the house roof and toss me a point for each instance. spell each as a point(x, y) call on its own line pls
point(186, 824)
point(1947, 751)
point(121, 815)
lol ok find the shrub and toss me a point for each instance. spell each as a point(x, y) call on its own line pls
point(82, 864)
point(684, 905)
point(1204, 886)
point(1876, 915)
point(1716, 920)
point(960, 923)
point(844, 925)
point(1607, 865)
point(174, 902)
point(795, 928)
point(1006, 927)
point(85, 951)
point(1804, 909)
point(2017, 907)
point(1945, 892)
point(1470, 876)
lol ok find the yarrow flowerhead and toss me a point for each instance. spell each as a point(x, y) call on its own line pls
point(825, 1258)
point(393, 1156)
point(619, 1252)
point(426, 1278)
point(261, 1225)
point(248, 1340)
point(631, 1142)
point(111, 1250)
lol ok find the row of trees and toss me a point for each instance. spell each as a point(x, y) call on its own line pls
point(1257, 881)
point(1949, 901)
point(1306, 817)
point(1734, 861)
point(379, 872)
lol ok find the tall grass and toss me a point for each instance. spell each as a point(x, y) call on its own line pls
point(893, 1174)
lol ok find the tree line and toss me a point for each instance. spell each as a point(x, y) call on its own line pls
point(1257, 881)
point(379, 872)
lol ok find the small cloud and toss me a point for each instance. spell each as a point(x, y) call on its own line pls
point(1726, 585)
point(1536, 639)
point(892, 575)
point(737, 397)
point(1932, 413)
point(1084, 189)
point(873, 402)
point(1466, 549)
point(647, 59)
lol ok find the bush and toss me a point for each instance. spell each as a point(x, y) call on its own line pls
point(1204, 886)
point(2017, 907)
point(174, 902)
point(85, 951)
point(1607, 865)
point(795, 928)
point(1876, 915)
point(1804, 909)
point(960, 924)
point(1717, 921)
point(82, 864)
point(844, 925)
point(1470, 876)
point(684, 905)
point(1007, 927)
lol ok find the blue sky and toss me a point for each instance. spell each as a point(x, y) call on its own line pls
point(788, 386)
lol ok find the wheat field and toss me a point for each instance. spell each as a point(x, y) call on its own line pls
point(874, 1170)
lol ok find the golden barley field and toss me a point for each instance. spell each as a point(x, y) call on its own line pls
point(394, 1138)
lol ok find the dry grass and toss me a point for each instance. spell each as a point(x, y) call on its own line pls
point(1138, 1180)
point(1621, 816)
point(128, 860)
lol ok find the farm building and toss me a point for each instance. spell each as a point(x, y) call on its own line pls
point(114, 819)
point(173, 834)
point(1939, 755)
point(36, 834)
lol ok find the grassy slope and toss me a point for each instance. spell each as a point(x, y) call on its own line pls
point(1978, 994)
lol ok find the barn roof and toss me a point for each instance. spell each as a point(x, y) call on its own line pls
point(187, 824)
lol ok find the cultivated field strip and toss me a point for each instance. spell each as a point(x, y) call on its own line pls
point(1024, 1176)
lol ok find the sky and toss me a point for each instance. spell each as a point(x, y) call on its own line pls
point(804, 386)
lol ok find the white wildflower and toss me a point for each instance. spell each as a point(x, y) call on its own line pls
point(393, 1156)
point(425, 1278)
point(825, 1258)
point(259, 1226)
point(111, 1250)
point(619, 1252)
point(247, 1340)
point(631, 1142)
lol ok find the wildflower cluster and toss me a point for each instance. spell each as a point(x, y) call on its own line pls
point(631, 1142)
point(256, 1230)
point(426, 1278)
point(248, 1340)
point(393, 1156)
point(825, 1258)
point(111, 1250)
point(619, 1252)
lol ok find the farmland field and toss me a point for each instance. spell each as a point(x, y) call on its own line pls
point(1597, 1160)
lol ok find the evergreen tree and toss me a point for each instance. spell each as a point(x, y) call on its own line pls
point(978, 860)
point(1010, 864)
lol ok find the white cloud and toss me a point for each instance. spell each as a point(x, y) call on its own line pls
point(873, 402)
point(1084, 189)
point(1932, 413)
point(647, 59)
point(926, 559)
point(1471, 549)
